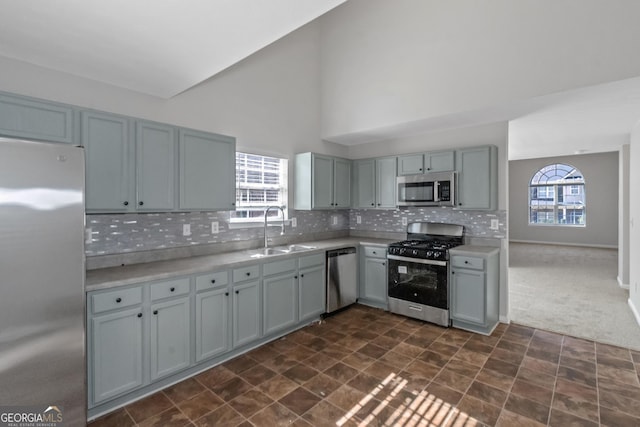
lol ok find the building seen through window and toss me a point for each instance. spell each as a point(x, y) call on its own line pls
point(557, 196)
point(261, 181)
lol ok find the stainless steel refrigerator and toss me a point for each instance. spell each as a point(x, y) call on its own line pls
point(42, 270)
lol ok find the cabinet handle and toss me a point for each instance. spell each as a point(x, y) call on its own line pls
point(155, 311)
point(126, 203)
point(295, 277)
point(139, 314)
point(213, 280)
point(302, 275)
point(466, 262)
point(420, 169)
point(237, 292)
point(373, 204)
point(248, 273)
point(141, 203)
point(172, 289)
point(118, 300)
point(453, 272)
point(226, 294)
point(384, 263)
point(428, 169)
point(233, 204)
point(378, 204)
point(374, 252)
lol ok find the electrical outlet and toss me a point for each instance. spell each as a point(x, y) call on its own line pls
point(334, 220)
point(495, 224)
point(186, 229)
point(215, 228)
point(294, 222)
point(404, 220)
point(358, 219)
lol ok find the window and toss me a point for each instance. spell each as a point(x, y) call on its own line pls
point(261, 182)
point(557, 196)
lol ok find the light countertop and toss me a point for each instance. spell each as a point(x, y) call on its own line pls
point(111, 277)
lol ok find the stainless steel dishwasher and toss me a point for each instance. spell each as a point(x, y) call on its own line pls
point(342, 278)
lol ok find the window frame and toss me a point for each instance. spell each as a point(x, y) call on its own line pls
point(283, 189)
point(559, 181)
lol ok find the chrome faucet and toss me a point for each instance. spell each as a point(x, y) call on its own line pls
point(266, 212)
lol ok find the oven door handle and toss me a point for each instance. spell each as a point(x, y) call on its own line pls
point(417, 260)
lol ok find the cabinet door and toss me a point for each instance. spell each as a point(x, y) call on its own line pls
point(106, 141)
point(386, 182)
point(31, 119)
point(279, 302)
point(477, 183)
point(322, 182)
point(207, 171)
point(364, 183)
point(375, 279)
point(115, 355)
point(468, 296)
point(410, 165)
point(342, 184)
point(246, 313)
point(311, 288)
point(439, 161)
point(170, 332)
point(212, 323)
point(155, 167)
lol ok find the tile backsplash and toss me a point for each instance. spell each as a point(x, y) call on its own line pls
point(123, 233)
point(126, 233)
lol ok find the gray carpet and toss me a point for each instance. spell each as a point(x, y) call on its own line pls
point(572, 291)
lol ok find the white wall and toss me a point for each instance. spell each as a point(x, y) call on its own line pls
point(270, 102)
point(623, 216)
point(634, 220)
point(390, 62)
point(601, 178)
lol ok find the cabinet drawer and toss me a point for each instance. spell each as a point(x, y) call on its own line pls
point(119, 298)
point(251, 272)
point(212, 280)
point(169, 288)
point(279, 266)
point(467, 262)
point(375, 252)
point(311, 260)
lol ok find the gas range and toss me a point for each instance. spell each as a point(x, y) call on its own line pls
point(426, 240)
point(425, 249)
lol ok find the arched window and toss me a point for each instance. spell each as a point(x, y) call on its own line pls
point(557, 196)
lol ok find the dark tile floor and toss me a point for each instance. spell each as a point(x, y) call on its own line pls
point(367, 367)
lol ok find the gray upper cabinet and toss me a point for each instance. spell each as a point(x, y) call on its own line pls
point(155, 166)
point(374, 183)
point(477, 177)
point(34, 119)
point(207, 171)
point(435, 161)
point(364, 183)
point(108, 170)
point(322, 182)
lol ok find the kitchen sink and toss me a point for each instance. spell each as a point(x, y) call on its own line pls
point(279, 250)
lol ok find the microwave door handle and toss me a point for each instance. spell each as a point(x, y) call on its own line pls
point(436, 191)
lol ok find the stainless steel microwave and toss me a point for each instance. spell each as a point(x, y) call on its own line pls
point(428, 189)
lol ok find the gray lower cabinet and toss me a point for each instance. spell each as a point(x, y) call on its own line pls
point(115, 343)
point(246, 313)
point(170, 337)
point(373, 276)
point(475, 288)
point(27, 118)
point(212, 323)
point(311, 292)
point(280, 301)
point(477, 177)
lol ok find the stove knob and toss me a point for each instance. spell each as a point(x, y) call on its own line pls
point(415, 252)
point(430, 254)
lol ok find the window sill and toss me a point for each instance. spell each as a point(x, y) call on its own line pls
point(256, 224)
